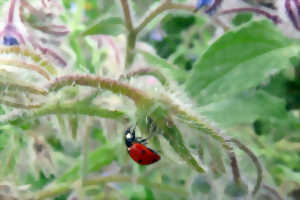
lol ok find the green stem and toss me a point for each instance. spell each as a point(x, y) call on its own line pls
point(148, 71)
point(85, 153)
point(127, 15)
point(141, 180)
point(138, 96)
point(53, 191)
point(63, 108)
point(254, 160)
point(130, 46)
point(19, 105)
point(64, 188)
point(164, 6)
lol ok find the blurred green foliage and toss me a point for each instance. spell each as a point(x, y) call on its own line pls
point(247, 81)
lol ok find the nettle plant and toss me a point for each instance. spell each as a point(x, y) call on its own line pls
point(69, 90)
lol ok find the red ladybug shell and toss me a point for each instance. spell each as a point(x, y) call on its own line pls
point(142, 154)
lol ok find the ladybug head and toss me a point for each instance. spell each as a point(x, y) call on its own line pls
point(129, 136)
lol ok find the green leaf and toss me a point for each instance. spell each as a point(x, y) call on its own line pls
point(174, 137)
point(245, 108)
point(100, 157)
point(110, 26)
point(240, 60)
point(172, 70)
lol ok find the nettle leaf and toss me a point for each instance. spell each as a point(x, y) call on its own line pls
point(245, 107)
point(240, 60)
point(110, 26)
point(172, 70)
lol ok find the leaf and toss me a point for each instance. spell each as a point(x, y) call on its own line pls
point(172, 70)
point(240, 60)
point(174, 137)
point(110, 26)
point(245, 108)
point(100, 157)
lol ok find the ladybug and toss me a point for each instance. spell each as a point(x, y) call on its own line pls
point(138, 150)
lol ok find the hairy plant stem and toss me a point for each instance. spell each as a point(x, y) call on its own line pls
point(147, 71)
point(19, 105)
point(140, 98)
point(85, 152)
point(64, 188)
point(235, 168)
point(24, 65)
point(63, 108)
point(254, 160)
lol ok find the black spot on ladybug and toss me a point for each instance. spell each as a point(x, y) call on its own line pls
point(139, 161)
point(143, 152)
point(154, 160)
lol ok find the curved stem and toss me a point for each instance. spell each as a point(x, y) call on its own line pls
point(273, 191)
point(21, 64)
point(234, 167)
point(147, 71)
point(258, 11)
point(19, 105)
point(22, 87)
point(133, 32)
point(254, 160)
point(63, 108)
point(165, 5)
point(139, 97)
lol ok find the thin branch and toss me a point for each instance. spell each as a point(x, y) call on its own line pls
point(63, 108)
point(85, 152)
point(64, 188)
point(23, 51)
point(147, 71)
point(165, 5)
point(140, 180)
point(23, 87)
point(273, 191)
point(254, 160)
point(138, 96)
point(127, 15)
point(131, 36)
point(234, 167)
point(276, 19)
point(133, 32)
point(19, 105)
point(21, 64)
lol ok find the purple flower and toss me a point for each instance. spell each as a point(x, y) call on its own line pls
point(202, 3)
point(10, 41)
point(35, 33)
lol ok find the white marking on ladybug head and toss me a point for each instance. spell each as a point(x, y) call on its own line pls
point(128, 136)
